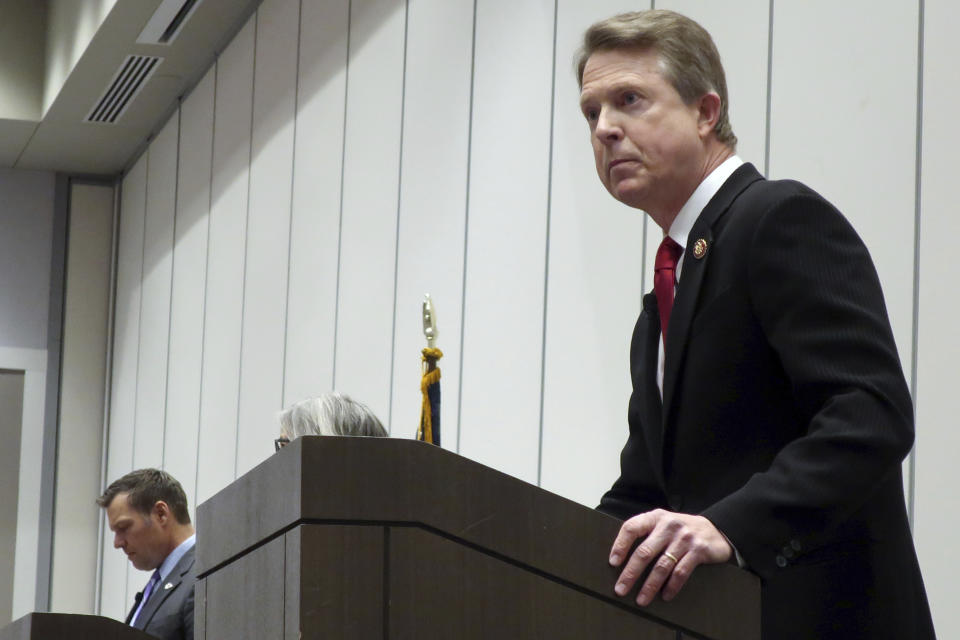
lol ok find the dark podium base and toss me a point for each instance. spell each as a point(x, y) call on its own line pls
point(68, 626)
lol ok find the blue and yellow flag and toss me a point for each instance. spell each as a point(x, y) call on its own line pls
point(429, 430)
point(430, 388)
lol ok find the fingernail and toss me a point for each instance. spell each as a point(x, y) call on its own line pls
point(620, 589)
point(614, 559)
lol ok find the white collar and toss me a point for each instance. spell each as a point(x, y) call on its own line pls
point(694, 206)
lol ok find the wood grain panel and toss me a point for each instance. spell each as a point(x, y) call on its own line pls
point(476, 596)
point(335, 582)
point(245, 598)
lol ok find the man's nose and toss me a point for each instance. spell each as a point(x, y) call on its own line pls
point(608, 127)
point(116, 542)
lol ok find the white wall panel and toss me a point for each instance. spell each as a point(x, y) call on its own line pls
point(148, 434)
point(843, 120)
point(938, 347)
point(369, 223)
point(123, 394)
point(433, 197)
point(593, 292)
point(155, 300)
point(220, 380)
point(268, 231)
point(315, 216)
point(507, 236)
point(189, 282)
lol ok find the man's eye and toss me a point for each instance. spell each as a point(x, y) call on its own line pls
point(630, 98)
point(591, 114)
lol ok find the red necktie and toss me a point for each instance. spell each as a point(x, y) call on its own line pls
point(664, 280)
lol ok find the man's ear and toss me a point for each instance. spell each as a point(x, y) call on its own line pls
point(708, 112)
point(161, 510)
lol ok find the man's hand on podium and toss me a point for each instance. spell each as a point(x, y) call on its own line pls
point(675, 542)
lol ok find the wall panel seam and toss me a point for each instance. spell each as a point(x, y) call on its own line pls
point(293, 180)
point(343, 158)
point(107, 385)
point(546, 253)
point(173, 264)
point(766, 134)
point(917, 221)
point(466, 218)
point(396, 235)
point(136, 377)
point(246, 241)
point(206, 282)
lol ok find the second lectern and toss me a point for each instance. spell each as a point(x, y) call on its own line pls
point(389, 538)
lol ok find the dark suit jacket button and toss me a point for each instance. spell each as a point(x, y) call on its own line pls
point(676, 502)
point(795, 544)
point(781, 561)
point(788, 552)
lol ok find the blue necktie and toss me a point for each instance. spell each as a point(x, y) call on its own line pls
point(147, 592)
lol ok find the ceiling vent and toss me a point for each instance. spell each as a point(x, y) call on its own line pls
point(123, 88)
point(167, 21)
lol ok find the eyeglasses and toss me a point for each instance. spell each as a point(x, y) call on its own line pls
point(281, 442)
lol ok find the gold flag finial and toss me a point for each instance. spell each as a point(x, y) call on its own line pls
point(429, 322)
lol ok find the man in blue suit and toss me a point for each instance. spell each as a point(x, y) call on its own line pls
point(769, 415)
point(147, 512)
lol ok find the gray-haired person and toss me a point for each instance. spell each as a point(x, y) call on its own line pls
point(332, 414)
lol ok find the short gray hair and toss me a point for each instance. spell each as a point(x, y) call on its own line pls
point(688, 56)
point(332, 414)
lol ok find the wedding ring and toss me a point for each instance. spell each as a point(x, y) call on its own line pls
point(675, 559)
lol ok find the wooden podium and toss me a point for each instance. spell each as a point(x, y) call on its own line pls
point(68, 626)
point(390, 538)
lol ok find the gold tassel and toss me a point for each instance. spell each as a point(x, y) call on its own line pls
point(430, 376)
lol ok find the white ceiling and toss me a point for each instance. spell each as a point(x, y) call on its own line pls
point(59, 140)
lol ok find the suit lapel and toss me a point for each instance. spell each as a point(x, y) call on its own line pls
point(164, 590)
point(691, 278)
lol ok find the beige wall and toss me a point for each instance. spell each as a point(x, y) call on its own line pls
point(82, 388)
point(71, 25)
point(22, 42)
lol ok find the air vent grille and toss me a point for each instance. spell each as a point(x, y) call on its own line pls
point(126, 83)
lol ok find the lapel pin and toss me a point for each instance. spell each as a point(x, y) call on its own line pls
point(169, 585)
point(699, 248)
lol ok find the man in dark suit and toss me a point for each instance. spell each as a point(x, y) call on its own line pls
point(147, 512)
point(769, 415)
